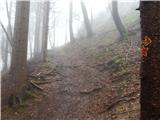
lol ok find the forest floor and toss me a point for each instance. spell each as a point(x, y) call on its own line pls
point(89, 80)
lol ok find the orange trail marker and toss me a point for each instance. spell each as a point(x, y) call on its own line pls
point(146, 41)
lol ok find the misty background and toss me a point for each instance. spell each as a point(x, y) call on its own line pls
point(99, 13)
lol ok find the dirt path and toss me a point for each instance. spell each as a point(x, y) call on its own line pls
point(69, 97)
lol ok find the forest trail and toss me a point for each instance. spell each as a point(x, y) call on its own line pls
point(70, 95)
point(80, 88)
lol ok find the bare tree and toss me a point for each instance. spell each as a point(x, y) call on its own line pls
point(7, 35)
point(86, 20)
point(54, 32)
point(18, 68)
point(66, 30)
point(150, 65)
point(9, 19)
point(91, 16)
point(37, 42)
point(45, 30)
point(4, 54)
point(117, 20)
point(72, 39)
point(8, 39)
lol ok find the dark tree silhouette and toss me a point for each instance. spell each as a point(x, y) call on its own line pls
point(86, 20)
point(45, 30)
point(150, 65)
point(37, 36)
point(71, 21)
point(117, 20)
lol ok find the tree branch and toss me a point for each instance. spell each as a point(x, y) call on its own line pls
point(9, 40)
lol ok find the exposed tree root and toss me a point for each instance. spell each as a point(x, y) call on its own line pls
point(35, 85)
point(41, 82)
point(91, 91)
point(120, 100)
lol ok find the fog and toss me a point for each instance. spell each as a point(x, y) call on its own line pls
point(99, 14)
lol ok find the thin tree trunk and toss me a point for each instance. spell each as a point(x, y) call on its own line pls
point(86, 20)
point(150, 65)
point(45, 30)
point(71, 22)
point(6, 33)
point(30, 45)
point(19, 50)
point(54, 32)
point(50, 42)
point(37, 41)
point(91, 17)
point(117, 20)
point(4, 54)
point(66, 30)
point(9, 19)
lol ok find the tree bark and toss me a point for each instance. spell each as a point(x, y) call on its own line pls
point(71, 21)
point(45, 30)
point(117, 20)
point(150, 65)
point(86, 20)
point(18, 68)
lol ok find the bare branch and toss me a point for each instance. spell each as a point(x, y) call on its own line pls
point(9, 40)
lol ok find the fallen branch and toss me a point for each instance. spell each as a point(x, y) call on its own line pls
point(36, 86)
point(41, 82)
point(50, 71)
point(91, 90)
point(120, 100)
point(115, 103)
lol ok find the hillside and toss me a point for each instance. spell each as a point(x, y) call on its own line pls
point(86, 80)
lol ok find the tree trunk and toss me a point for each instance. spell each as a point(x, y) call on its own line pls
point(54, 32)
point(91, 17)
point(86, 20)
point(5, 68)
point(37, 41)
point(118, 21)
point(45, 30)
point(150, 65)
point(4, 54)
point(9, 11)
point(71, 21)
point(18, 68)
point(66, 24)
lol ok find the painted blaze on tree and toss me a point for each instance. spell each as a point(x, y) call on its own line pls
point(150, 65)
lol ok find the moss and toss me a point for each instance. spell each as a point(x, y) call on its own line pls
point(27, 95)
